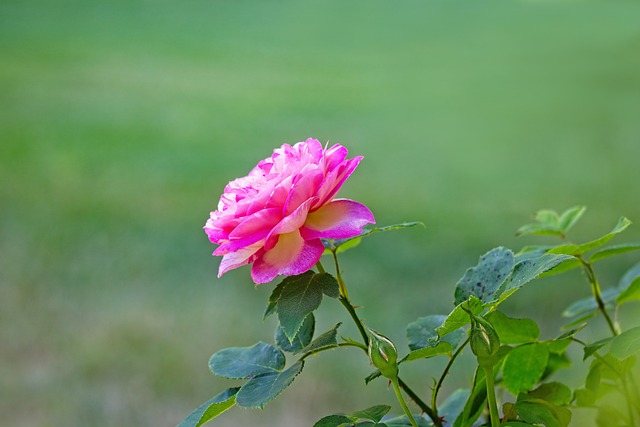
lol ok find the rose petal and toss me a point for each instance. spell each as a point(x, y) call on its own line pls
point(290, 256)
point(241, 257)
point(303, 190)
point(334, 180)
point(340, 219)
point(289, 223)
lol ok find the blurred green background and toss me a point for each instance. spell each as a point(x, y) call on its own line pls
point(121, 122)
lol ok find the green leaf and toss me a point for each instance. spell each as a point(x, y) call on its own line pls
point(422, 333)
point(537, 229)
point(590, 349)
point(555, 363)
point(483, 280)
point(301, 340)
point(528, 268)
point(613, 250)
point(211, 408)
point(513, 331)
point(524, 366)
point(246, 362)
point(475, 403)
point(553, 392)
point(570, 217)
point(262, 389)
point(428, 352)
point(538, 411)
point(459, 317)
point(626, 344)
point(548, 217)
point(622, 224)
point(629, 285)
point(299, 296)
point(327, 339)
point(557, 346)
point(570, 333)
point(403, 421)
point(589, 304)
point(374, 413)
point(341, 245)
point(334, 421)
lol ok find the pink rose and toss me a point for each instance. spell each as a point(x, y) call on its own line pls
point(275, 216)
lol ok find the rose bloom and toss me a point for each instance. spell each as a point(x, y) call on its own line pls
point(275, 216)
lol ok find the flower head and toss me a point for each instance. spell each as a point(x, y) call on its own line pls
point(275, 216)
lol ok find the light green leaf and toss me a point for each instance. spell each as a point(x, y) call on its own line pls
point(622, 224)
point(538, 411)
point(613, 250)
point(557, 346)
point(211, 408)
point(246, 362)
point(301, 340)
point(553, 392)
point(428, 352)
point(262, 389)
point(299, 296)
point(538, 229)
point(548, 217)
point(483, 280)
point(327, 339)
point(422, 332)
point(513, 331)
point(341, 245)
point(570, 217)
point(590, 349)
point(626, 344)
point(459, 317)
point(570, 333)
point(629, 285)
point(524, 366)
point(589, 304)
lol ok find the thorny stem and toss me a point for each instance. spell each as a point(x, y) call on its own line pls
point(405, 408)
point(595, 288)
point(434, 396)
point(344, 299)
point(491, 396)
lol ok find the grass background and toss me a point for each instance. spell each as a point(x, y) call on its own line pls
point(121, 122)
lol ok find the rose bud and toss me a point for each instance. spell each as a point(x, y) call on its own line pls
point(383, 354)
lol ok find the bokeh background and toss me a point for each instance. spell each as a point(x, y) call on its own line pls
point(121, 122)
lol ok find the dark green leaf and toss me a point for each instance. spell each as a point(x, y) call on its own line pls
point(553, 392)
point(483, 280)
point(211, 408)
point(459, 317)
point(453, 405)
point(260, 390)
point(570, 217)
point(428, 352)
point(246, 362)
point(374, 413)
point(538, 411)
point(302, 338)
point(613, 250)
point(524, 366)
point(570, 333)
point(422, 332)
point(327, 339)
point(626, 344)
point(513, 331)
point(299, 296)
point(334, 421)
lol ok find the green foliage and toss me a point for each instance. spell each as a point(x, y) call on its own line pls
point(297, 296)
point(513, 331)
point(538, 411)
point(524, 366)
point(370, 416)
point(459, 316)
point(422, 333)
point(261, 389)
point(301, 340)
point(549, 222)
point(247, 362)
point(211, 408)
point(483, 280)
point(626, 344)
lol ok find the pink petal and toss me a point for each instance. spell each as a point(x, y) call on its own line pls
point(303, 190)
point(236, 259)
point(290, 256)
point(334, 180)
point(289, 223)
point(340, 219)
point(334, 156)
point(263, 220)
